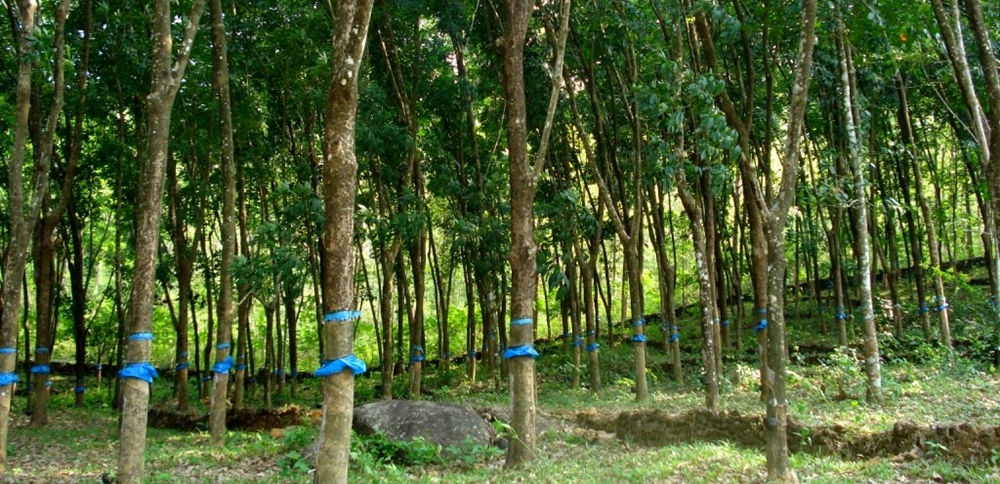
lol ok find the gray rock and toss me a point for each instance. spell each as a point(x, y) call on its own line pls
point(446, 424)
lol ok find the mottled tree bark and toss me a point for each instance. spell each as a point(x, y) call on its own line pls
point(166, 80)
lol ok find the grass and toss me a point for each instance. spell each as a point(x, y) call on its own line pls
point(80, 444)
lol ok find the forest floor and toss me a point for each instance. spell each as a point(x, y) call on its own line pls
point(940, 423)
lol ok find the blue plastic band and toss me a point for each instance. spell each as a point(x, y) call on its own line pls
point(417, 359)
point(8, 351)
point(578, 341)
point(840, 315)
point(223, 346)
point(41, 349)
point(924, 309)
point(80, 389)
point(761, 326)
point(639, 338)
point(48, 383)
point(141, 370)
point(341, 316)
point(760, 311)
point(725, 323)
point(206, 378)
point(182, 366)
point(294, 373)
point(40, 369)
point(241, 357)
point(941, 307)
point(472, 353)
point(182, 354)
point(8, 378)
point(593, 347)
point(280, 372)
point(519, 351)
point(675, 337)
point(223, 366)
point(416, 349)
point(639, 322)
point(521, 322)
point(140, 337)
point(591, 333)
point(241, 367)
point(332, 367)
point(99, 366)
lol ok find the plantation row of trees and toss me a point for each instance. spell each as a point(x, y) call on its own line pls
point(242, 184)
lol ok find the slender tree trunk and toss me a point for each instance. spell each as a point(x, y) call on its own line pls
point(23, 213)
point(350, 30)
point(223, 358)
point(873, 365)
point(137, 375)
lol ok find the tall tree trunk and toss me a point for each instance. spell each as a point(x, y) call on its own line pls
point(138, 374)
point(340, 167)
point(23, 213)
point(873, 364)
point(223, 359)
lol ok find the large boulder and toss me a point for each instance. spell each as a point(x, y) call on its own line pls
point(446, 424)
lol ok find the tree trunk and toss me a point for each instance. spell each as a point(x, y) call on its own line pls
point(350, 30)
point(24, 213)
point(137, 375)
point(223, 359)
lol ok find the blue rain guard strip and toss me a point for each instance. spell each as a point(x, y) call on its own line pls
point(8, 378)
point(8, 351)
point(417, 359)
point(593, 346)
point(941, 307)
point(760, 311)
point(40, 369)
point(241, 367)
point(293, 373)
point(41, 349)
point(279, 372)
point(591, 333)
point(725, 323)
point(578, 341)
point(182, 366)
point(80, 389)
point(840, 315)
point(48, 383)
point(639, 338)
point(639, 322)
point(675, 337)
point(223, 366)
point(182, 354)
point(223, 346)
point(332, 367)
point(761, 326)
point(924, 309)
point(341, 316)
point(140, 337)
point(141, 370)
point(99, 366)
point(519, 351)
point(521, 322)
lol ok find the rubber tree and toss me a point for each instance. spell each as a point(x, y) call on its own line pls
point(224, 337)
point(137, 375)
point(340, 167)
point(24, 212)
point(524, 176)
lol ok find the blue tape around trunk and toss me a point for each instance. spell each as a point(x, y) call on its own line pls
point(141, 370)
point(222, 346)
point(593, 346)
point(80, 389)
point(675, 337)
point(341, 316)
point(761, 326)
point(8, 351)
point(639, 338)
point(639, 322)
point(40, 369)
point(519, 351)
point(8, 378)
point(349, 362)
point(223, 366)
point(520, 322)
point(140, 337)
point(41, 349)
point(182, 366)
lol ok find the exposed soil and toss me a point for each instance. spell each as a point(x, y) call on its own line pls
point(252, 419)
point(905, 441)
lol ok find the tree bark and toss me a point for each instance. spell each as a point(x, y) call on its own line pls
point(340, 167)
point(166, 80)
